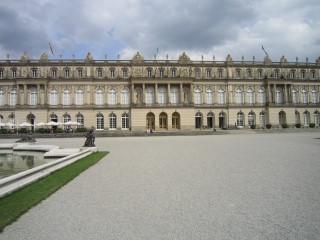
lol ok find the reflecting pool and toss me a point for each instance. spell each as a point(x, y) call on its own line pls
point(13, 162)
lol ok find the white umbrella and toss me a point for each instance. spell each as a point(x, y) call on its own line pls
point(71, 123)
point(2, 124)
point(41, 124)
point(25, 124)
point(10, 124)
point(52, 123)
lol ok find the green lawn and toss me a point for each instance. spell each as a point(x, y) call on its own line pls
point(12, 206)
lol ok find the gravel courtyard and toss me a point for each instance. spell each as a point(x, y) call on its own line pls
point(237, 186)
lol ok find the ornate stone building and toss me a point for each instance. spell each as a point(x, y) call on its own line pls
point(160, 94)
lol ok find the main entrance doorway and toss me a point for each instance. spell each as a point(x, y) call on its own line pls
point(163, 119)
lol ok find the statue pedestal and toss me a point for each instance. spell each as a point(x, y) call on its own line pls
point(93, 149)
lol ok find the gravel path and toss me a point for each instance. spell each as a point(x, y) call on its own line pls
point(244, 186)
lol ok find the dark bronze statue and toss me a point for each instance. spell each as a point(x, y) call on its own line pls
point(90, 139)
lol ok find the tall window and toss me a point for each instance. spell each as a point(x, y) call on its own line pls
point(1, 73)
point(54, 73)
point(80, 120)
point(313, 75)
point(100, 122)
point(112, 121)
point(221, 96)
point(296, 117)
point(2, 97)
point(306, 118)
point(220, 73)
point(304, 96)
point(34, 73)
point(67, 73)
point(238, 73)
point(112, 97)
point(249, 73)
point(303, 74)
point(79, 97)
point(125, 121)
point(294, 94)
point(66, 118)
point(53, 97)
point(149, 72)
point(99, 73)
point(99, 97)
point(262, 119)
point(13, 97)
point(250, 96)
point(66, 97)
point(80, 73)
point(197, 73)
point(282, 118)
point(260, 73)
point(292, 74)
point(239, 96)
point(279, 95)
point(125, 97)
point(162, 95)
point(33, 95)
point(14, 73)
point(112, 73)
point(276, 73)
point(209, 93)
point(240, 119)
point(316, 118)
point(197, 96)
point(208, 71)
point(261, 96)
point(173, 72)
point(198, 119)
point(314, 96)
point(161, 72)
point(251, 117)
point(149, 96)
point(125, 73)
point(174, 95)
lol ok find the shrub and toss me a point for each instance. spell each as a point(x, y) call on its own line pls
point(298, 125)
point(81, 129)
point(23, 130)
point(41, 130)
point(3, 131)
point(253, 126)
point(268, 126)
point(312, 125)
point(284, 125)
point(58, 130)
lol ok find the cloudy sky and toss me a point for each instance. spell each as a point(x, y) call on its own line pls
point(210, 28)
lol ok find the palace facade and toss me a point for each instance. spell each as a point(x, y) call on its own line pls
point(139, 94)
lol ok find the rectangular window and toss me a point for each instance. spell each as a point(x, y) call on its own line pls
point(99, 73)
point(161, 73)
point(33, 98)
point(220, 75)
point(292, 74)
point(79, 73)
point(67, 73)
point(209, 73)
point(259, 73)
point(34, 73)
point(14, 73)
point(149, 72)
point(238, 74)
point(249, 73)
point(197, 73)
point(125, 73)
point(303, 74)
point(313, 74)
point(112, 73)
point(13, 98)
point(276, 74)
point(1, 73)
point(54, 73)
point(173, 73)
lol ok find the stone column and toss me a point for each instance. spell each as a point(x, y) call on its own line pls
point(143, 93)
point(181, 93)
point(156, 93)
point(169, 97)
point(269, 98)
point(132, 93)
point(285, 94)
point(38, 94)
point(25, 94)
point(203, 94)
point(46, 95)
point(18, 96)
point(191, 94)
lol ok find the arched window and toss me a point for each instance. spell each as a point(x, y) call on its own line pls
point(251, 118)
point(262, 96)
point(66, 97)
point(162, 95)
point(112, 121)
point(112, 97)
point(53, 118)
point(66, 118)
point(176, 120)
point(297, 117)
point(125, 97)
point(99, 97)
point(262, 119)
point(294, 94)
point(306, 118)
point(33, 97)
point(2, 97)
point(79, 97)
point(316, 118)
point(210, 120)
point(163, 120)
point(125, 121)
point(240, 119)
point(304, 96)
point(198, 120)
point(100, 121)
point(80, 120)
point(239, 96)
point(149, 96)
point(282, 118)
point(174, 95)
point(221, 96)
point(250, 96)
point(222, 120)
point(209, 94)
point(53, 97)
point(13, 97)
point(279, 95)
point(197, 96)
point(150, 119)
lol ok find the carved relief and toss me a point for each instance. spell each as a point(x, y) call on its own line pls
point(137, 72)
